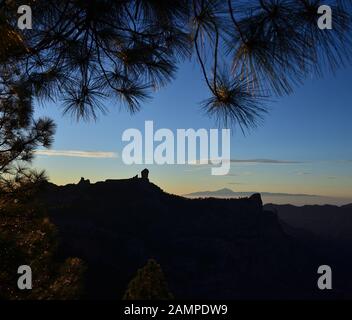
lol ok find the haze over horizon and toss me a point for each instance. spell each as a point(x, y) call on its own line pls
point(273, 198)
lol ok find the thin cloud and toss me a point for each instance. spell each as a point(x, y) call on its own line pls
point(345, 161)
point(269, 161)
point(76, 154)
point(243, 161)
point(195, 169)
point(301, 173)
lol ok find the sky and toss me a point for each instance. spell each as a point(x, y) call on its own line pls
point(303, 146)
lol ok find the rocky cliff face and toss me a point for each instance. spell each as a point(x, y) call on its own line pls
point(208, 248)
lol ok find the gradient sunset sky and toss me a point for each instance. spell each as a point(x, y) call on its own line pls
point(307, 137)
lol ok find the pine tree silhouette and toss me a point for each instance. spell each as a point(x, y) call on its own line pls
point(148, 284)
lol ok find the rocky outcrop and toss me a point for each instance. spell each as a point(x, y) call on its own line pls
point(83, 182)
point(256, 198)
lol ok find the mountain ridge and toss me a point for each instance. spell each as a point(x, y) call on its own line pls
point(208, 248)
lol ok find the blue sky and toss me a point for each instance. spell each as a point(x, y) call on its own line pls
point(311, 127)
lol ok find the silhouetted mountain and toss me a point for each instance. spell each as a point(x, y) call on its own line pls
point(347, 206)
point(226, 192)
point(326, 230)
point(268, 197)
point(328, 221)
point(208, 248)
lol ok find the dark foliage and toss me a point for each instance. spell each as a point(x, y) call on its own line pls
point(20, 133)
point(27, 237)
point(148, 284)
point(82, 52)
